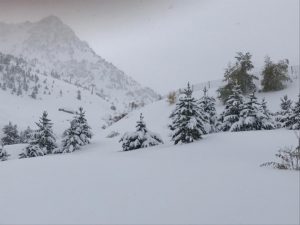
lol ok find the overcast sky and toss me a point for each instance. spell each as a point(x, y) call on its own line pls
point(165, 43)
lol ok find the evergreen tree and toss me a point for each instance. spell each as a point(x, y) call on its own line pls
point(188, 120)
point(238, 74)
point(79, 95)
point(274, 75)
point(253, 116)
point(43, 141)
point(78, 134)
point(285, 112)
point(3, 154)
point(26, 135)
point(11, 135)
point(208, 104)
point(142, 138)
point(293, 122)
point(266, 118)
point(233, 108)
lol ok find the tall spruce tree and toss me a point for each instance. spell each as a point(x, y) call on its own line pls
point(188, 119)
point(79, 133)
point(274, 75)
point(233, 107)
point(238, 74)
point(141, 138)
point(10, 134)
point(43, 141)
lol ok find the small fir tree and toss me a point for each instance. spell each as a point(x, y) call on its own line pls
point(43, 141)
point(233, 108)
point(79, 133)
point(293, 121)
point(285, 112)
point(208, 104)
point(26, 135)
point(141, 138)
point(10, 134)
point(266, 118)
point(3, 154)
point(188, 119)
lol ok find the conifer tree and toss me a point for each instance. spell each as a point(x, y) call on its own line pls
point(141, 138)
point(3, 154)
point(238, 74)
point(266, 118)
point(285, 112)
point(79, 133)
point(11, 134)
point(26, 135)
point(208, 105)
point(233, 108)
point(274, 75)
point(43, 141)
point(188, 119)
point(293, 122)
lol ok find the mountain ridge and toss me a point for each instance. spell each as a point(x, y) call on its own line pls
point(53, 47)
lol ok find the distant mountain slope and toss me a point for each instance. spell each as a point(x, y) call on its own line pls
point(54, 49)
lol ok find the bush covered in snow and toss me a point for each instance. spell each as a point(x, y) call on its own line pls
point(289, 159)
point(141, 138)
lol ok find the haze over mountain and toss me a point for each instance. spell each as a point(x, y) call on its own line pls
point(53, 48)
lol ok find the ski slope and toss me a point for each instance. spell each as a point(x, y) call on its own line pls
point(217, 180)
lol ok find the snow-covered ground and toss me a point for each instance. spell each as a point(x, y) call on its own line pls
point(217, 180)
point(214, 181)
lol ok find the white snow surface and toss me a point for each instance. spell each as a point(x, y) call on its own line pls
point(217, 180)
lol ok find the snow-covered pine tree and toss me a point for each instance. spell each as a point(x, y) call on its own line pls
point(78, 134)
point(233, 108)
point(266, 118)
point(141, 138)
point(10, 134)
point(208, 105)
point(293, 122)
point(188, 119)
point(43, 141)
point(26, 135)
point(285, 112)
point(249, 116)
point(3, 154)
point(254, 116)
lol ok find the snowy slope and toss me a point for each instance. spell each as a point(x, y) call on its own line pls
point(53, 48)
point(216, 180)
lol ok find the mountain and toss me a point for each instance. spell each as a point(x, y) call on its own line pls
point(52, 48)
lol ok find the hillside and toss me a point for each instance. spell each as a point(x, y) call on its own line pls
point(216, 180)
point(52, 48)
